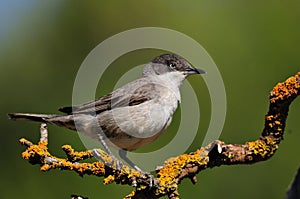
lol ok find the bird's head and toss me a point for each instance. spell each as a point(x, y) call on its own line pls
point(170, 63)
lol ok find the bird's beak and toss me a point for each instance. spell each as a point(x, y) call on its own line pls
point(190, 71)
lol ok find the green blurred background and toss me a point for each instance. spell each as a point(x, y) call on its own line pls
point(254, 44)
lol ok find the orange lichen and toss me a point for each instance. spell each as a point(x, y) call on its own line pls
point(25, 142)
point(286, 89)
point(76, 156)
point(39, 149)
point(277, 122)
point(39, 154)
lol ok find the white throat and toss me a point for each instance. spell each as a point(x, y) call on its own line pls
point(172, 80)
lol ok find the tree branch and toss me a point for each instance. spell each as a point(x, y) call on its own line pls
point(178, 168)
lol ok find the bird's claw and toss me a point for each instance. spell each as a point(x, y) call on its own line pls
point(119, 164)
point(146, 174)
point(150, 176)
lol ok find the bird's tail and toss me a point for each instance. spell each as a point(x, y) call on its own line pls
point(30, 117)
point(66, 121)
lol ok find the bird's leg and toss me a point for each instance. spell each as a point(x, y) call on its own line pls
point(123, 155)
point(108, 151)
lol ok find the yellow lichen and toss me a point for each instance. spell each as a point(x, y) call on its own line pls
point(263, 148)
point(132, 194)
point(109, 179)
point(230, 155)
point(173, 168)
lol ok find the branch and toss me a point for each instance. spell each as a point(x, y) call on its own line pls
point(178, 168)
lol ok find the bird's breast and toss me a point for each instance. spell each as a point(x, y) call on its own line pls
point(131, 127)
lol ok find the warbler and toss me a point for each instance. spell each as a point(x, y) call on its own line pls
point(131, 116)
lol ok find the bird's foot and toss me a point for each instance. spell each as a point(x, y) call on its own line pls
point(119, 163)
point(115, 163)
point(151, 178)
point(146, 174)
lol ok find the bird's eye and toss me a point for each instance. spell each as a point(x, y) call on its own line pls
point(172, 65)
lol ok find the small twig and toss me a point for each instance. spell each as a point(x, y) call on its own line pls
point(44, 132)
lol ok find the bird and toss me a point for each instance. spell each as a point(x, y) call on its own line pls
point(131, 116)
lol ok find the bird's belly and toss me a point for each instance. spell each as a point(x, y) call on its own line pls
point(131, 143)
point(132, 127)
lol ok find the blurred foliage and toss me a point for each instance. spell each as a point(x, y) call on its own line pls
point(254, 44)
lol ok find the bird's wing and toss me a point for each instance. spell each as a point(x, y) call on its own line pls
point(131, 94)
point(102, 103)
